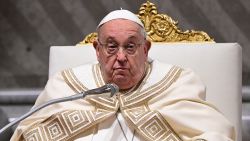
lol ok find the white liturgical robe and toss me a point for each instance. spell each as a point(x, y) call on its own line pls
point(168, 104)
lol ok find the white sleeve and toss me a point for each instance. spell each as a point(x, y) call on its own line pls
point(184, 108)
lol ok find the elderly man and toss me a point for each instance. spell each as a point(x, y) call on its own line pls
point(156, 101)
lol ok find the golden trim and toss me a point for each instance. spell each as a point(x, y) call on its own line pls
point(129, 104)
point(66, 124)
point(134, 108)
point(110, 104)
point(97, 75)
point(160, 28)
point(149, 124)
point(66, 79)
point(147, 94)
point(100, 101)
point(82, 87)
point(94, 72)
point(72, 81)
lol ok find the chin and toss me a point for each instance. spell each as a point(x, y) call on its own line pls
point(122, 84)
point(123, 87)
point(123, 81)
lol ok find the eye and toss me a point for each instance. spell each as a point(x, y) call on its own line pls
point(130, 48)
point(111, 47)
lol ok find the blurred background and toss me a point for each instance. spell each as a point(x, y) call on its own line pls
point(29, 27)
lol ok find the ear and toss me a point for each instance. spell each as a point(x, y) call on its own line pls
point(95, 44)
point(97, 49)
point(147, 47)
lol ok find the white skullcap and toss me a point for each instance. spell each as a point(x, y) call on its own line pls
point(121, 14)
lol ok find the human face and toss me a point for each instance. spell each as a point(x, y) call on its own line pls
point(124, 68)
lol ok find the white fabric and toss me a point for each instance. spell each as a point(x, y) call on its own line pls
point(181, 104)
point(114, 132)
point(218, 65)
point(121, 14)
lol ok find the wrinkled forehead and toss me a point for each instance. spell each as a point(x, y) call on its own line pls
point(119, 27)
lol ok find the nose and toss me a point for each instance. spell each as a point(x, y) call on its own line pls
point(121, 55)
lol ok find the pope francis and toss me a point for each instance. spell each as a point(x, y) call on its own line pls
point(156, 101)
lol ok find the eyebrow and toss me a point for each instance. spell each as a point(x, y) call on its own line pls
point(131, 37)
point(110, 38)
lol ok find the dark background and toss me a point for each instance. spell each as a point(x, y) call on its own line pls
point(29, 27)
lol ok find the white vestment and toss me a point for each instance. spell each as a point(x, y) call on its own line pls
point(168, 104)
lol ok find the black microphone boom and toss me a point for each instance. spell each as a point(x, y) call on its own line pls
point(112, 88)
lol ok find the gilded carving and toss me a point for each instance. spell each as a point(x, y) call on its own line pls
point(90, 38)
point(161, 28)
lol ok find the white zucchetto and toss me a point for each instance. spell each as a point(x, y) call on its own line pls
point(121, 14)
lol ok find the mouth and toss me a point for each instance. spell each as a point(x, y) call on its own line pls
point(120, 69)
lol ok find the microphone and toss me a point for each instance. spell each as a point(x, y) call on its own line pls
point(112, 88)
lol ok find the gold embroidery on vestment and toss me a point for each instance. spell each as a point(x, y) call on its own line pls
point(65, 125)
point(66, 79)
point(97, 75)
point(77, 81)
point(73, 81)
point(151, 125)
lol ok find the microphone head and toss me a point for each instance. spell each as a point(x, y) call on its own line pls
point(113, 89)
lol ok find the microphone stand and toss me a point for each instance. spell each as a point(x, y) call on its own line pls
point(106, 88)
